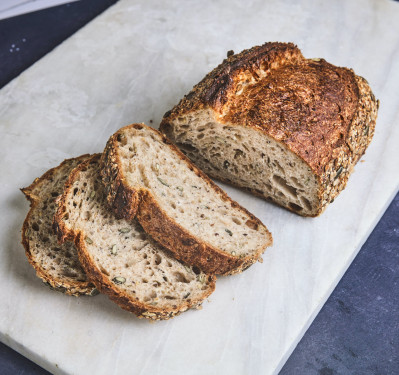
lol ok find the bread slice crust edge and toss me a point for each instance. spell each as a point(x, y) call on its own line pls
point(73, 288)
point(103, 284)
point(156, 222)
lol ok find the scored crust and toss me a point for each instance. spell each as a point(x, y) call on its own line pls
point(128, 203)
point(104, 284)
point(324, 114)
point(70, 287)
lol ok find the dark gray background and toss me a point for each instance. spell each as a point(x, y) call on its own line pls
point(357, 330)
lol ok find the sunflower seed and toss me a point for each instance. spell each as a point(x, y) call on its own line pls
point(119, 280)
point(88, 240)
point(113, 250)
point(338, 172)
point(162, 182)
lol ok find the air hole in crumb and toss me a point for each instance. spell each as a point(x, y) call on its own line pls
point(238, 153)
point(196, 270)
point(306, 203)
point(279, 166)
point(295, 207)
point(235, 220)
point(296, 182)
point(186, 147)
point(35, 227)
point(180, 277)
point(284, 186)
point(145, 281)
point(165, 278)
point(158, 259)
point(252, 224)
point(169, 297)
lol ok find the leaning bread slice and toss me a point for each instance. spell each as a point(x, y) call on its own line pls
point(57, 265)
point(145, 175)
point(283, 127)
point(120, 258)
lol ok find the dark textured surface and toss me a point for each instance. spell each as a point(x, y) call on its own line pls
point(27, 38)
point(356, 332)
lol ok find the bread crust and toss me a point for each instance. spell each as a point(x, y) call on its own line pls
point(73, 288)
point(324, 114)
point(103, 284)
point(156, 222)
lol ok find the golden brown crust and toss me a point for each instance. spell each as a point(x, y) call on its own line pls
point(308, 107)
point(322, 113)
point(102, 282)
point(156, 222)
point(221, 83)
point(73, 288)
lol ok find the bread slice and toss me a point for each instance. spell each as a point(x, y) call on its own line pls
point(286, 128)
point(177, 204)
point(57, 265)
point(120, 258)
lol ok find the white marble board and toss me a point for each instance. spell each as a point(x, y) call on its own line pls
point(131, 64)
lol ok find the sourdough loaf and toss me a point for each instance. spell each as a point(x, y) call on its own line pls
point(57, 265)
point(179, 206)
point(284, 127)
point(120, 258)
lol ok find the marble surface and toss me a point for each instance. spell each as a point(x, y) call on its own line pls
point(132, 64)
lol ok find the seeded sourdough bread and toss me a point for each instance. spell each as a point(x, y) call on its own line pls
point(284, 127)
point(178, 205)
point(57, 265)
point(120, 258)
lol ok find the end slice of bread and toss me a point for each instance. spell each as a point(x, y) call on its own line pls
point(177, 204)
point(57, 265)
point(121, 259)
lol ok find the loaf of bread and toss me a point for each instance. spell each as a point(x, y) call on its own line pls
point(119, 257)
point(57, 265)
point(179, 206)
point(283, 127)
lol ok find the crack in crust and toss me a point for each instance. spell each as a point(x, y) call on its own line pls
point(156, 222)
point(324, 114)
